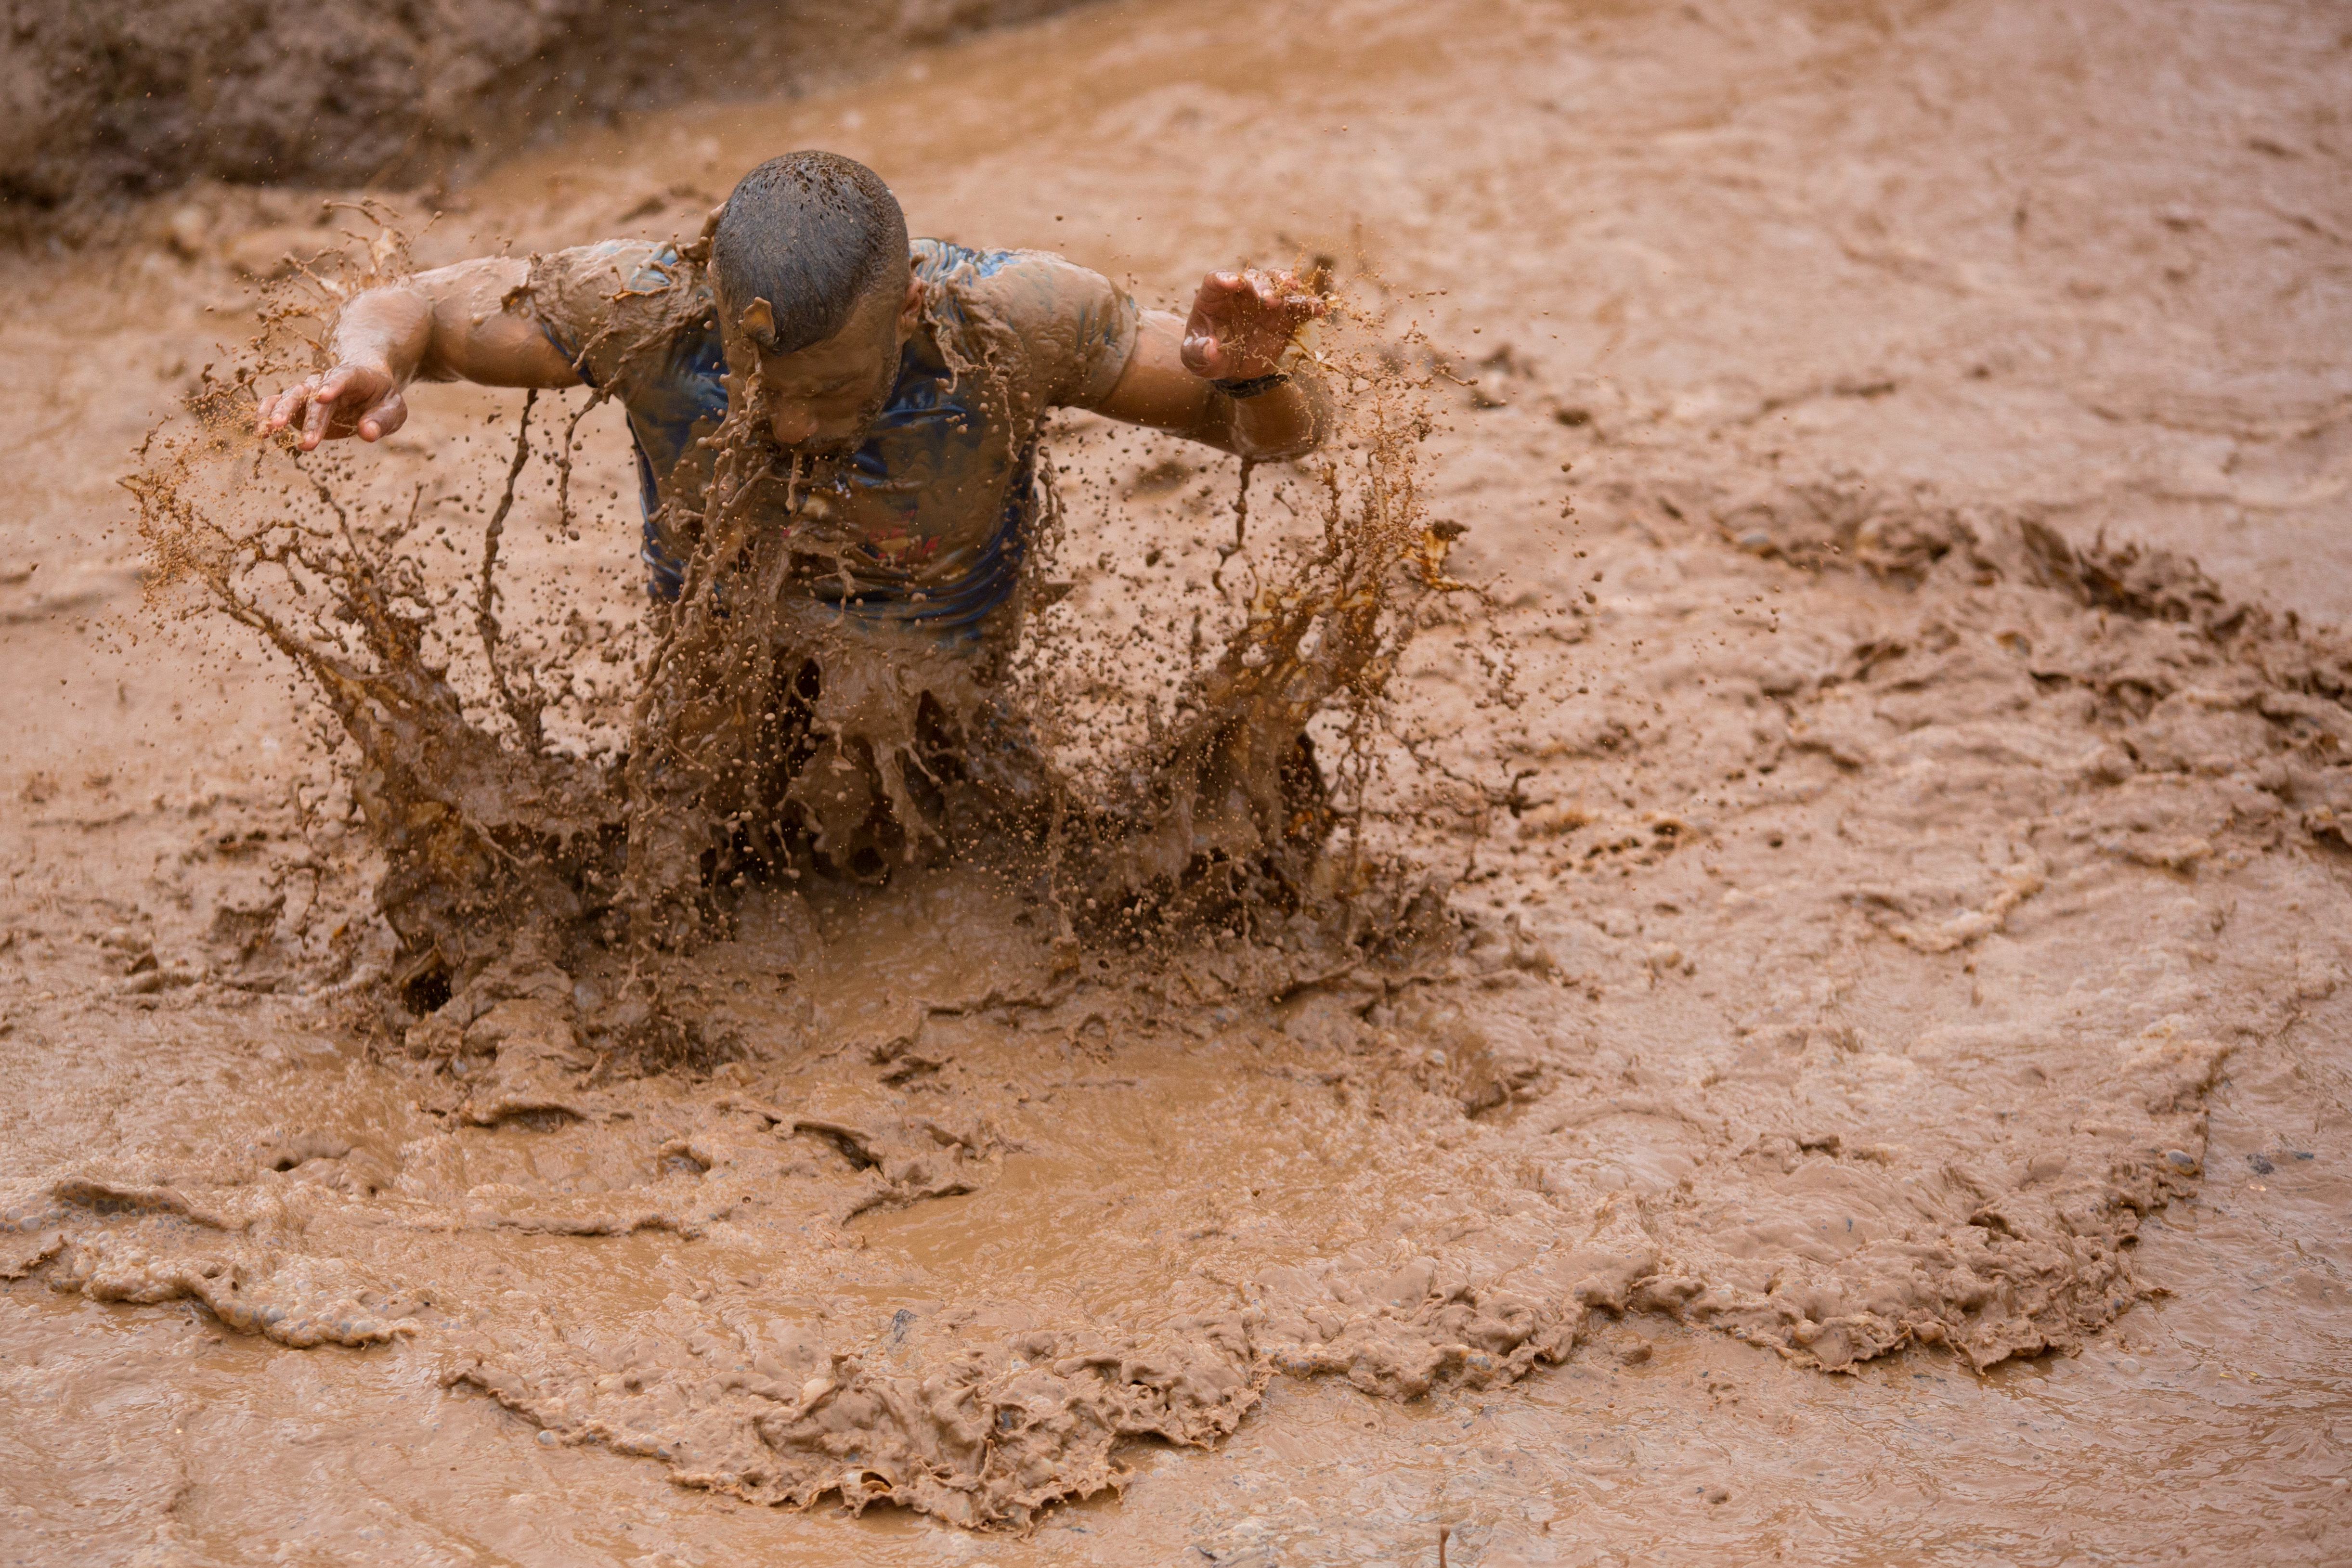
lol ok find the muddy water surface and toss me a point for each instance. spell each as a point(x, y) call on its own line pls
point(1891, 1106)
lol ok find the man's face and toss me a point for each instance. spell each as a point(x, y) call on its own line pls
point(825, 398)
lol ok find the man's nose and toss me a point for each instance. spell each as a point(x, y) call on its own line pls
point(794, 423)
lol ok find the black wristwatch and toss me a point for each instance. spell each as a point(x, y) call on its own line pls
point(1251, 387)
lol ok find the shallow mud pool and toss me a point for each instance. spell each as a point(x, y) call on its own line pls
point(1881, 1094)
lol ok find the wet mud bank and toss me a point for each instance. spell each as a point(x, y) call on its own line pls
point(130, 97)
point(1872, 1088)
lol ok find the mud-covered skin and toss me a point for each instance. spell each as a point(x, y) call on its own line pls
point(1857, 746)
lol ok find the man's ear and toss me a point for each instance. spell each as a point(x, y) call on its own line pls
point(910, 310)
point(758, 322)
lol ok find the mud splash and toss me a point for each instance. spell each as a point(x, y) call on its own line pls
point(767, 737)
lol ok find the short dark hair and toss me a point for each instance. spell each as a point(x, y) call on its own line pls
point(811, 234)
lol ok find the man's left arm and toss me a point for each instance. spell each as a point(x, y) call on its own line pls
point(1223, 375)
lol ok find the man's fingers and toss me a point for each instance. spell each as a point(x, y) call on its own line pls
point(315, 416)
point(1218, 290)
point(1283, 291)
point(1242, 320)
point(329, 417)
point(348, 400)
point(389, 414)
point(276, 411)
point(1278, 295)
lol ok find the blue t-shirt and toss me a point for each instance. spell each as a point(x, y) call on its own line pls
point(928, 518)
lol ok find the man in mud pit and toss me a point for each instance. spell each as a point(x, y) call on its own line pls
point(890, 394)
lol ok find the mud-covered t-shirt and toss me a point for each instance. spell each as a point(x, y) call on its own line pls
point(928, 518)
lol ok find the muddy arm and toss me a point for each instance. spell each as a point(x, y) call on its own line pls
point(1241, 331)
point(1159, 390)
point(452, 323)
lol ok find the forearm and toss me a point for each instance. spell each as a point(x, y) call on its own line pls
point(454, 323)
point(1285, 420)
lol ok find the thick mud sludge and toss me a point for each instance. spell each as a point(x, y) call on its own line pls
point(1430, 1154)
point(1699, 941)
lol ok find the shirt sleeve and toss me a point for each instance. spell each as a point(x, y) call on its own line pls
point(613, 309)
point(1078, 328)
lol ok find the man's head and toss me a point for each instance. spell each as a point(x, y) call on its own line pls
point(811, 269)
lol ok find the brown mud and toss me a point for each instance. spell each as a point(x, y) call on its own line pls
point(1884, 1098)
point(118, 97)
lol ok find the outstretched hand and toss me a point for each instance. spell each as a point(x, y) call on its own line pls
point(352, 399)
point(1241, 322)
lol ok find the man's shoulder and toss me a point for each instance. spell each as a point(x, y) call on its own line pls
point(944, 261)
point(593, 280)
point(1014, 280)
point(1075, 327)
point(622, 310)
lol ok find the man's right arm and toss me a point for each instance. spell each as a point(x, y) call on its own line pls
point(452, 323)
